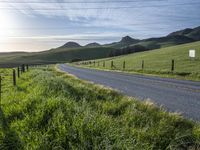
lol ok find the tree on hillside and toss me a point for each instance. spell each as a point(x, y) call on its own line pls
point(127, 50)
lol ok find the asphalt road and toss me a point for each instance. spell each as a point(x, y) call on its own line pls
point(174, 95)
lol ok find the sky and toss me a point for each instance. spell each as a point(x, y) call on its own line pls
point(37, 25)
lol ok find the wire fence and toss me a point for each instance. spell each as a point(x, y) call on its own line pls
point(172, 65)
point(8, 78)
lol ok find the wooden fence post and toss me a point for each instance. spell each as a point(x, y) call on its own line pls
point(0, 89)
point(104, 64)
point(14, 77)
point(142, 64)
point(111, 64)
point(172, 67)
point(124, 65)
point(27, 67)
point(22, 68)
point(18, 72)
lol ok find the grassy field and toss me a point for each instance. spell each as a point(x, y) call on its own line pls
point(52, 110)
point(157, 61)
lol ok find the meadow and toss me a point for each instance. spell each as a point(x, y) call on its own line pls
point(49, 109)
point(157, 61)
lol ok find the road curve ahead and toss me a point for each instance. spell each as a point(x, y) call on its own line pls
point(175, 95)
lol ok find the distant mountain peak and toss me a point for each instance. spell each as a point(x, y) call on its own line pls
point(71, 45)
point(128, 39)
point(93, 45)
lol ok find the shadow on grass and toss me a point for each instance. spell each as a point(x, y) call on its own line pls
point(21, 89)
point(9, 139)
point(114, 67)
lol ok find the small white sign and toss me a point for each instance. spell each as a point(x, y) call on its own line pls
point(192, 53)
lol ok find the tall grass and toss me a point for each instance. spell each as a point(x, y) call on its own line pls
point(51, 110)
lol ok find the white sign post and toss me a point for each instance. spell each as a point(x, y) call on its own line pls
point(192, 53)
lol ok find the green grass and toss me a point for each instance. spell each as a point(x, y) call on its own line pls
point(158, 61)
point(52, 110)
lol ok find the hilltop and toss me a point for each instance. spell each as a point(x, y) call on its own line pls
point(125, 41)
point(70, 45)
point(93, 45)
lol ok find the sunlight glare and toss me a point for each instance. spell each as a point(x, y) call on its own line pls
point(6, 25)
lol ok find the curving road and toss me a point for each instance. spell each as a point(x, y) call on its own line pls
point(175, 95)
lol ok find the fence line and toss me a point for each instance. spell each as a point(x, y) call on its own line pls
point(12, 77)
point(142, 65)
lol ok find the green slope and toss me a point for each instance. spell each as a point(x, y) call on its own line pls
point(153, 43)
point(57, 55)
point(191, 33)
point(175, 38)
point(125, 41)
point(159, 60)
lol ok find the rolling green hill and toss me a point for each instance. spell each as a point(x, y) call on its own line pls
point(158, 60)
point(71, 45)
point(11, 54)
point(175, 38)
point(72, 51)
point(56, 55)
point(153, 43)
point(125, 41)
point(191, 33)
point(93, 45)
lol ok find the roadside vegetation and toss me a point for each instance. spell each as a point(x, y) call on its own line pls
point(52, 110)
point(156, 62)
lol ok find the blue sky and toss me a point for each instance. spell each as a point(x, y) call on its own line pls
point(35, 25)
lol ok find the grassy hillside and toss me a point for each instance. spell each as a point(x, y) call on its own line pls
point(57, 55)
point(125, 41)
point(191, 33)
point(11, 54)
point(158, 60)
point(153, 43)
point(51, 110)
point(175, 38)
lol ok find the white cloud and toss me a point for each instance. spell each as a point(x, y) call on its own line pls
point(87, 12)
point(85, 36)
